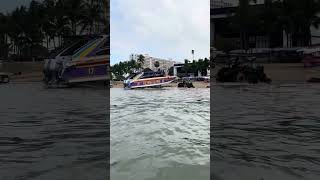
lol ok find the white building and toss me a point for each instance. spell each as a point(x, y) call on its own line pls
point(149, 62)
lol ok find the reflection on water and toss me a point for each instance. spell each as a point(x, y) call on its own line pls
point(52, 133)
point(160, 134)
point(266, 132)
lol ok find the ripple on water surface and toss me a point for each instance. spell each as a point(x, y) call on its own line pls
point(160, 134)
point(52, 133)
point(266, 132)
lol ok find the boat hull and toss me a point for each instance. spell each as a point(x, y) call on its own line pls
point(149, 82)
point(311, 61)
point(86, 72)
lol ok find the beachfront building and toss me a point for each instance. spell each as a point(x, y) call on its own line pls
point(149, 62)
point(221, 3)
point(224, 34)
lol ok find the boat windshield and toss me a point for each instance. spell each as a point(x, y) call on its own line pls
point(74, 47)
point(151, 74)
point(131, 76)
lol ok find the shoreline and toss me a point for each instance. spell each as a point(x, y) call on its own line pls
point(285, 72)
point(118, 84)
point(23, 71)
point(278, 72)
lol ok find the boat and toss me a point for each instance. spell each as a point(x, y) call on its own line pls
point(311, 57)
point(86, 60)
point(147, 79)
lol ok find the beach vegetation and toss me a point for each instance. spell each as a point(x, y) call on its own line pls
point(195, 67)
point(293, 18)
point(121, 69)
point(156, 64)
point(34, 30)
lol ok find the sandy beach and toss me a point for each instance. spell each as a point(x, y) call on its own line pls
point(23, 71)
point(278, 72)
point(286, 72)
point(119, 84)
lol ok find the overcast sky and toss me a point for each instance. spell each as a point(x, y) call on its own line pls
point(164, 29)
point(9, 5)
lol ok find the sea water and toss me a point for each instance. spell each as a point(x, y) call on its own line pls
point(263, 132)
point(160, 134)
point(53, 133)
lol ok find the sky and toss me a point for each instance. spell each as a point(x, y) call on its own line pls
point(9, 5)
point(167, 29)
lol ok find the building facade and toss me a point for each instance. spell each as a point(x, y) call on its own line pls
point(220, 4)
point(223, 34)
point(149, 62)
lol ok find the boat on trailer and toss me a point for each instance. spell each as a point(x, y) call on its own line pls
point(148, 79)
point(86, 60)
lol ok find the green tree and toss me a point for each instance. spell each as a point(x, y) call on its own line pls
point(4, 44)
point(243, 20)
point(156, 64)
point(93, 16)
point(75, 11)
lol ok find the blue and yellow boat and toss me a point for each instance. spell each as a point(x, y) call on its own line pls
point(85, 60)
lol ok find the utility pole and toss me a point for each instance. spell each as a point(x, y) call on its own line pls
point(192, 52)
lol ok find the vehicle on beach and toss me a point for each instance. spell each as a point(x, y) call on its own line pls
point(84, 61)
point(238, 70)
point(147, 79)
point(4, 78)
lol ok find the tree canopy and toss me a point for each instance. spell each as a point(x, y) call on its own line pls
point(45, 23)
point(294, 17)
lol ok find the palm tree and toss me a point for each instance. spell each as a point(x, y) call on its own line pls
point(74, 10)
point(33, 27)
point(243, 20)
point(140, 61)
point(16, 29)
point(4, 46)
point(93, 17)
point(269, 18)
point(156, 64)
point(47, 22)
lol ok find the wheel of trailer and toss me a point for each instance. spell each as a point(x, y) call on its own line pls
point(240, 77)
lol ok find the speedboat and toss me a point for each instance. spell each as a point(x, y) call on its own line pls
point(148, 79)
point(85, 60)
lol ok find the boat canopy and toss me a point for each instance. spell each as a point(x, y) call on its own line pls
point(309, 50)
